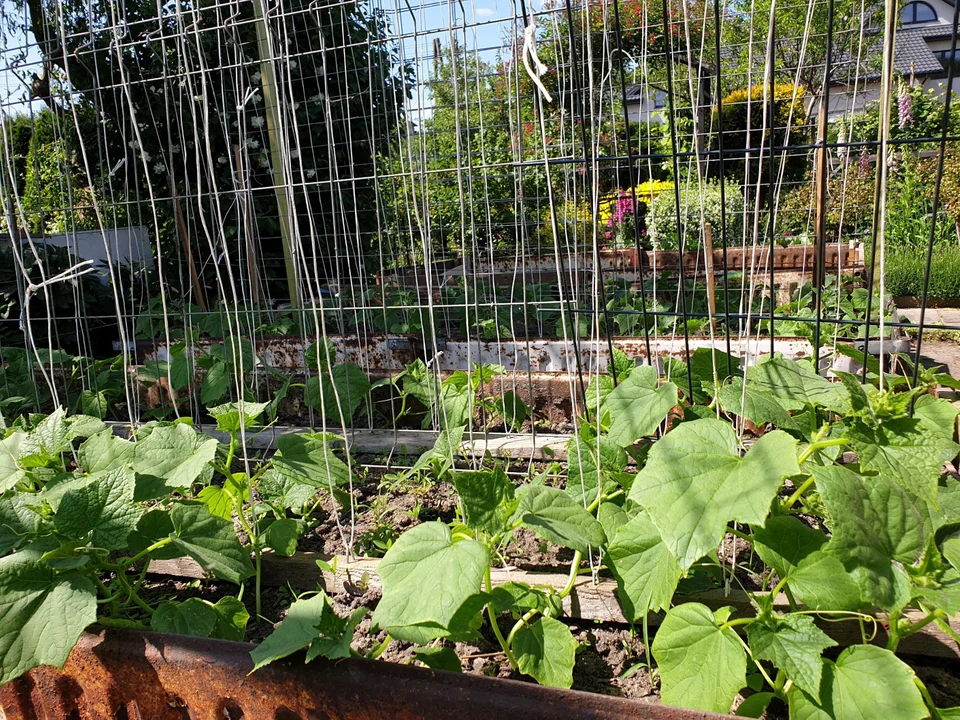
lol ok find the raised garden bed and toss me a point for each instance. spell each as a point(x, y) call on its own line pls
point(125, 674)
point(768, 535)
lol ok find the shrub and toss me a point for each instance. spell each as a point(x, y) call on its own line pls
point(662, 219)
point(906, 268)
point(924, 119)
point(789, 112)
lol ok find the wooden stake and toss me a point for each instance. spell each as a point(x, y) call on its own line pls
point(268, 78)
point(711, 288)
point(187, 248)
point(253, 277)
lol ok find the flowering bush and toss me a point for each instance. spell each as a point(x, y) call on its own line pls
point(699, 205)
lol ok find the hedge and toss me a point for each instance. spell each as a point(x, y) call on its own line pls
point(906, 267)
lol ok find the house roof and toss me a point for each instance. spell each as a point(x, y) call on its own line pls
point(636, 93)
point(912, 54)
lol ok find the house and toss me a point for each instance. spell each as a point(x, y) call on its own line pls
point(646, 104)
point(921, 54)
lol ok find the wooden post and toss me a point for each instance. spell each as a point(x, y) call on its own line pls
point(711, 288)
point(187, 248)
point(253, 277)
point(268, 78)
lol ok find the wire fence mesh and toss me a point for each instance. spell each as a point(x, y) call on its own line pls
point(354, 210)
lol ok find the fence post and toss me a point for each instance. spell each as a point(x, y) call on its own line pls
point(268, 78)
point(711, 285)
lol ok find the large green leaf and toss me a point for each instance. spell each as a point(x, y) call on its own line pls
point(191, 617)
point(175, 453)
point(755, 404)
point(44, 443)
point(308, 458)
point(11, 472)
point(291, 494)
point(866, 683)
point(647, 572)
point(816, 579)
point(546, 652)
point(216, 382)
point(282, 536)
point(342, 390)
point(228, 415)
point(232, 617)
point(210, 540)
point(701, 666)
point(41, 613)
point(427, 557)
point(552, 515)
point(905, 451)
point(445, 450)
point(874, 524)
point(439, 658)
point(795, 384)
point(487, 498)
point(590, 461)
point(335, 634)
point(310, 623)
point(297, 631)
point(784, 541)
point(794, 644)
point(103, 507)
point(821, 582)
point(18, 520)
point(938, 417)
point(106, 451)
point(695, 482)
point(638, 405)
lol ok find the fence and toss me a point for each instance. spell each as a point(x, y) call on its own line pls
point(403, 179)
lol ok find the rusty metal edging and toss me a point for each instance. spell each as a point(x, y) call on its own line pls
point(122, 674)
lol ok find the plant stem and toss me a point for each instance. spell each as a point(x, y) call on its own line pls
point(574, 573)
point(736, 623)
point(381, 648)
point(492, 615)
point(894, 638)
point(527, 617)
point(931, 706)
point(920, 624)
point(112, 597)
point(125, 624)
point(792, 500)
point(121, 568)
point(255, 543)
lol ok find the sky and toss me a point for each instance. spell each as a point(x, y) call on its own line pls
point(487, 23)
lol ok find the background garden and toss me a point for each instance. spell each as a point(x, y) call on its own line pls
point(608, 319)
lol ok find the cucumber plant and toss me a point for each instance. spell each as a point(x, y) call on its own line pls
point(83, 512)
point(840, 493)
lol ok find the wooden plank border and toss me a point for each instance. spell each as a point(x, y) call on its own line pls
point(590, 600)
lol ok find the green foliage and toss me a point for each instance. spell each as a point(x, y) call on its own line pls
point(698, 205)
point(82, 512)
point(926, 117)
point(742, 122)
point(906, 269)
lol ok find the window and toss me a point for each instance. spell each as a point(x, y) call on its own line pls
point(947, 59)
point(659, 99)
point(917, 12)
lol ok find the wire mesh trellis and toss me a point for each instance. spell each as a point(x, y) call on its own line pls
point(269, 191)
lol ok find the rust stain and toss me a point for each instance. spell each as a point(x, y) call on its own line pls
point(116, 674)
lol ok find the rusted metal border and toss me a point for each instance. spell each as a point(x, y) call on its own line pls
point(121, 674)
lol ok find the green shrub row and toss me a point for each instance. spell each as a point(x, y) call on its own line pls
point(906, 268)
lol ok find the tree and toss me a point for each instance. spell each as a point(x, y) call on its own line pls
point(178, 98)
